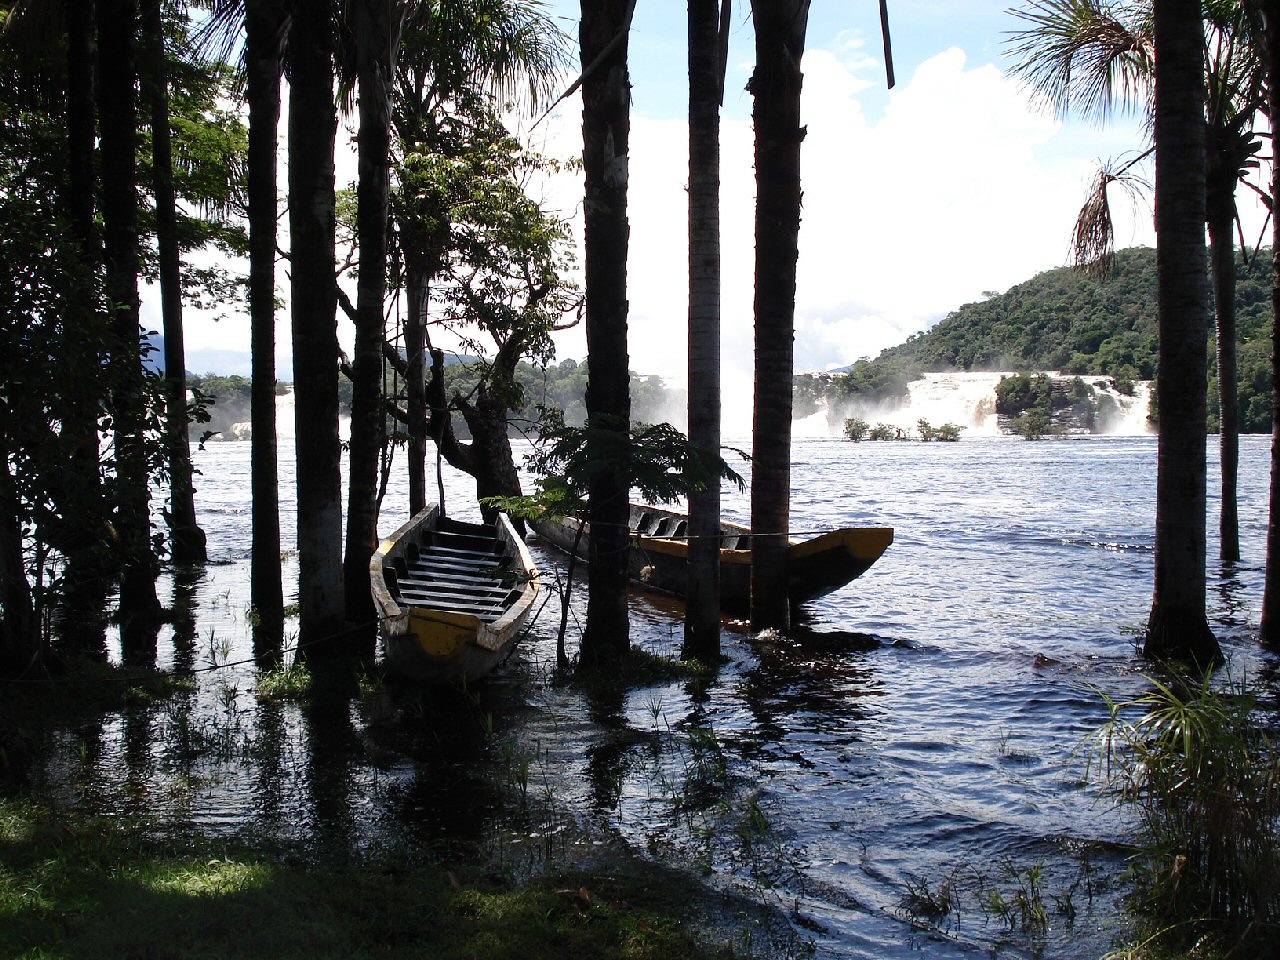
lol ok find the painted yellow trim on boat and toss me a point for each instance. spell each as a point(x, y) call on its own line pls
point(442, 634)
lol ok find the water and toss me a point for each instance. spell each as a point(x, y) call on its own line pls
point(819, 776)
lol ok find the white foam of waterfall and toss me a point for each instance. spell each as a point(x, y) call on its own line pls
point(286, 425)
point(968, 400)
point(1130, 420)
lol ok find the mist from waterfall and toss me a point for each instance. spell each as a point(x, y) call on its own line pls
point(968, 400)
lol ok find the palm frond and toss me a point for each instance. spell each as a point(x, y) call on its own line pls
point(1093, 241)
point(1085, 55)
point(219, 36)
point(510, 49)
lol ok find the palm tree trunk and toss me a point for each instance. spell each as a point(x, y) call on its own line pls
point(375, 42)
point(265, 23)
point(1270, 621)
point(86, 511)
point(1222, 215)
point(702, 612)
point(188, 540)
point(117, 114)
point(1178, 628)
point(313, 289)
point(19, 638)
point(415, 385)
point(780, 34)
point(605, 131)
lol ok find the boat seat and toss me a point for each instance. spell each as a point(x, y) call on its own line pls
point(681, 530)
point(729, 541)
point(644, 523)
point(663, 527)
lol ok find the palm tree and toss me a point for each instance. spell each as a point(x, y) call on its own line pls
point(188, 539)
point(1270, 620)
point(266, 22)
point(375, 32)
point(606, 120)
point(708, 33)
point(457, 50)
point(313, 291)
point(1093, 57)
point(85, 564)
point(1236, 93)
point(117, 111)
point(1178, 628)
point(454, 52)
point(780, 34)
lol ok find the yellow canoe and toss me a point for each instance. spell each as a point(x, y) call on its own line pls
point(660, 547)
point(451, 596)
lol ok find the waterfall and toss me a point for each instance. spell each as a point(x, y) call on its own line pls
point(969, 401)
point(284, 421)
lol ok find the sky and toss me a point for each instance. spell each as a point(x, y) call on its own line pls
point(953, 185)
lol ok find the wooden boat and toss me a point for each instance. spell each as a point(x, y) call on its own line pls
point(660, 548)
point(451, 596)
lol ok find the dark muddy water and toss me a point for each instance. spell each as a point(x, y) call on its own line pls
point(848, 784)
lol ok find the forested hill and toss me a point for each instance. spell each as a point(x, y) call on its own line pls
point(1066, 321)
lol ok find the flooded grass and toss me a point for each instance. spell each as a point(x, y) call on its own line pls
point(91, 887)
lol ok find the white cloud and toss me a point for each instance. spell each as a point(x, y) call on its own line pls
point(956, 189)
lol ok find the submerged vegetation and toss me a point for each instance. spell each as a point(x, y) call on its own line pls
point(857, 430)
point(1192, 760)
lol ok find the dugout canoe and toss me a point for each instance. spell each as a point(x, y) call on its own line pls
point(816, 565)
point(451, 597)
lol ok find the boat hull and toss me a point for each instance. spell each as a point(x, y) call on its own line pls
point(660, 550)
point(451, 597)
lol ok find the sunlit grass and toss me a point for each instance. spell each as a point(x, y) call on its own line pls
point(284, 683)
point(89, 888)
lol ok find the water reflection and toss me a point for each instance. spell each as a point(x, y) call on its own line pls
point(271, 777)
point(187, 582)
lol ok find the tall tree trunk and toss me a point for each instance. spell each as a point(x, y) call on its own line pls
point(415, 384)
point(1222, 216)
point(85, 510)
point(1178, 628)
point(780, 34)
point(265, 24)
point(375, 40)
point(188, 540)
point(117, 115)
point(606, 123)
point(19, 636)
point(706, 85)
point(494, 465)
point(313, 288)
point(1270, 620)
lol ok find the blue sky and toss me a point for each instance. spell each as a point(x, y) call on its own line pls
point(916, 200)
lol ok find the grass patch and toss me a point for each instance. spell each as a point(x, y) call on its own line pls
point(640, 668)
point(284, 683)
point(89, 888)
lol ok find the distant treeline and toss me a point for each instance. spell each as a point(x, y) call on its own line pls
point(562, 385)
point(1065, 321)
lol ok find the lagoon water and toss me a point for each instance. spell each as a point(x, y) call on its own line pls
point(845, 783)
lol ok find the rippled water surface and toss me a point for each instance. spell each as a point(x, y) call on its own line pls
point(916, 737)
